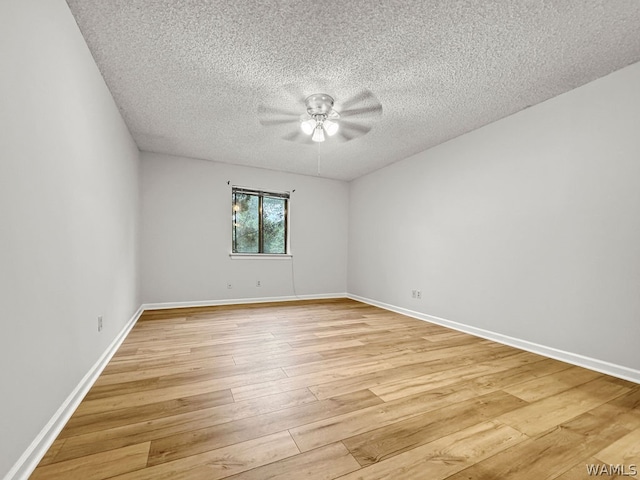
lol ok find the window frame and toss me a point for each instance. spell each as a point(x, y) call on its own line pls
point(261, 194)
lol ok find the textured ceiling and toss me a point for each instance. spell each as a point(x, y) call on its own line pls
point(190, 77)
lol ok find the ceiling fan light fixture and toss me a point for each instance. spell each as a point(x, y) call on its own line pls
point(320, 117)
point(320, 122)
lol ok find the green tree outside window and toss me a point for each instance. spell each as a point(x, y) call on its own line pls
point(259, 221)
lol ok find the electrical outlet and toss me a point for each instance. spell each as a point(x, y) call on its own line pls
point(100, 323)
point(413, 294)
point(258, 284)
point(419, 294)
point(229, 285)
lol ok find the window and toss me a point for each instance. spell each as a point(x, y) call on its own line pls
point(259, 221)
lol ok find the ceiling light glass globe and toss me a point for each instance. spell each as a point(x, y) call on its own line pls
point(318, 134)
point(308, 126)
point(331, 127)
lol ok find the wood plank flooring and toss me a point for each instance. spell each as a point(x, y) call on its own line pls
point(338, 389)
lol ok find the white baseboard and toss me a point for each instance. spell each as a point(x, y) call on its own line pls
point(239, 301)
point(29, 460)
point(601, 366)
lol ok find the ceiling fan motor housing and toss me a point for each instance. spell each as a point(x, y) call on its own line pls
point(319, 104)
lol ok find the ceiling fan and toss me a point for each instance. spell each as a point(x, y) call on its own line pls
point(321, 118)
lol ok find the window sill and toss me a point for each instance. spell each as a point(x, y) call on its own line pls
point(261, 256)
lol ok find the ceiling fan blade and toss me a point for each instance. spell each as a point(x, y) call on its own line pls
point(373, 110)
point(354, 127)
point(297, 136)
point(277, 122)
point(363, 96)
point(264, 111)
point(344, 136)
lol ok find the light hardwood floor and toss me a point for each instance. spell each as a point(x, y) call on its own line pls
point(337, 389)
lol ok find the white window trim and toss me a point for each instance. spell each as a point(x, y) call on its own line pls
point(267, 256)
point(264, 256)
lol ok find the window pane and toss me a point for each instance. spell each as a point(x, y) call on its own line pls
point(245, 225)
point(273, 210)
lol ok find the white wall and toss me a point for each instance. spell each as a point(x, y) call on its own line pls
point(69, 213)
point(528, 227)
point(186, 233)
